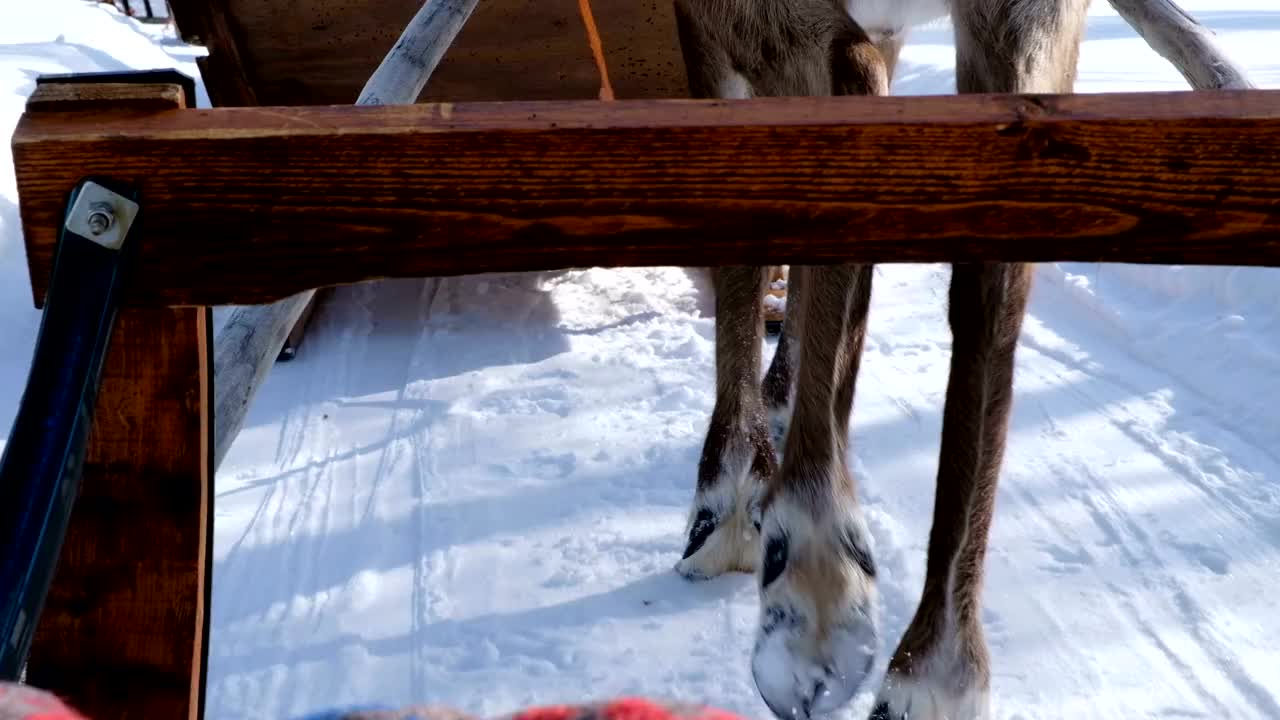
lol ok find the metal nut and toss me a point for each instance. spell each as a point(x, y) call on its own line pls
point(100, 217)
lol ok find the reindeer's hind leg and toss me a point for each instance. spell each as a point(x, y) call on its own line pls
point(737, 456)
point(778, 386)
point(941, 667)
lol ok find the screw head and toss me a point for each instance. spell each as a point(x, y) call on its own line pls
point(100, 218)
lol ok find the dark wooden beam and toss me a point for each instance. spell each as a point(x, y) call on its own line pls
point(225, 70)
point(320, 52)
point(125, 625)
point(253, 204)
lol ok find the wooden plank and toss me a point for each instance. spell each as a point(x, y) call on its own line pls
point(518, 51)
point(320, 52)
point(362, 193)
point(65, 97)
point(642, 49)
point(124, 629)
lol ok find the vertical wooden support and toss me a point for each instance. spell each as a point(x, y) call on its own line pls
point(125, 627)
point(226, 75)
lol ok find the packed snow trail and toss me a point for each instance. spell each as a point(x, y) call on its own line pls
point(515, 481)
point(472, 490)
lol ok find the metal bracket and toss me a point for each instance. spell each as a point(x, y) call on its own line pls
point(101, 216)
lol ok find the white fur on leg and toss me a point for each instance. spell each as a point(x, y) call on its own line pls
point(734, 544)
point(941, 686)
point(927, 697)
point(779, 422)
point(733, 86)
point(819, 609)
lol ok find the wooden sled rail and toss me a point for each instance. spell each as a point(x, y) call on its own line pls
point(249, 205)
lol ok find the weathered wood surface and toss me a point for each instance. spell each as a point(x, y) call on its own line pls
point(124, 628)
point(400, 77)
point(361, 193)
point(314, 52)
point(245, 349)
point(1179, 38)
point(67, 97)
point(294, 340)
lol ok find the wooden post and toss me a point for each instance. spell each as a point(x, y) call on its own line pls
point(125, 626)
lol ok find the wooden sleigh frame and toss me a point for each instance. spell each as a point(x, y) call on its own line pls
point(244, 205)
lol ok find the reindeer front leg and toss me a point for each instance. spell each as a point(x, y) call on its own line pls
point(818, 632)
point(737, 456)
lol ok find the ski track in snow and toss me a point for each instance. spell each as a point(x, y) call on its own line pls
point(471, 490)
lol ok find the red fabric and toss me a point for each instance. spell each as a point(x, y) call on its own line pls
point(551, 712)
point(636, 709)
point(21, 702)
point(626, 708)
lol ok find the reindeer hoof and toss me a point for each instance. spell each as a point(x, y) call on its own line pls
point(818, 634)
point(928, 698)
point(719, 545)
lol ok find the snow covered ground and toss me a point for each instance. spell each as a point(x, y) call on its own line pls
point(472, 490)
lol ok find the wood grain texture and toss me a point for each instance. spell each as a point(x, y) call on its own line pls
point(1188, 45)
point(62, 97)
point(269, 201)
point(320, 52)
point(641, 48)
point(124, 628)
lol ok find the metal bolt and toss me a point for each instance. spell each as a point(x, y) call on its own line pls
point(100, 217)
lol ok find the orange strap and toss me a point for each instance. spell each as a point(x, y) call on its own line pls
point(597, 48)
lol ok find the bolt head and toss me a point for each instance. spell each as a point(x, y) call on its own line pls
point(100, 218)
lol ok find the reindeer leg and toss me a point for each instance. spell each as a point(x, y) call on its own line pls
point(818, 632)
point(859, 67)
point(737, 456)
point(941, 668)
point(890, 47)
point(778, 386)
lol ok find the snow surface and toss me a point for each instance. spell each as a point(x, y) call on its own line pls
point(472, 490)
